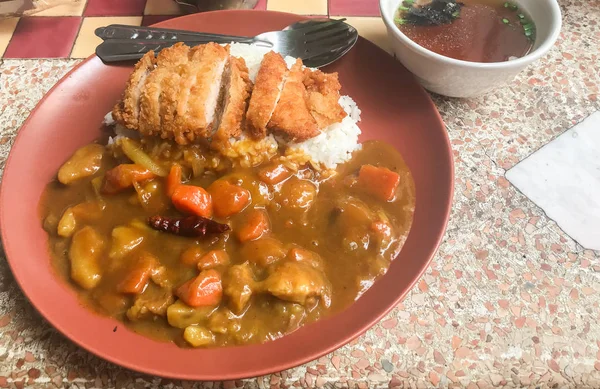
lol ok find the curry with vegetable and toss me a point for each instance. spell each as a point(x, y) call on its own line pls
point(185, 249)
point(222, 213)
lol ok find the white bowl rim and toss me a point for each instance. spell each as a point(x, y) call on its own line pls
point(522, 61)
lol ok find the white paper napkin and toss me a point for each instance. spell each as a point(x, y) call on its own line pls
point(563, 178)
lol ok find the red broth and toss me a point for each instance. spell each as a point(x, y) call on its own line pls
point(485, 31)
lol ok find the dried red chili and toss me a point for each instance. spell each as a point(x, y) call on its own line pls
point(192, 226)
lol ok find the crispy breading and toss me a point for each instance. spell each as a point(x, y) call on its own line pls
point(158, 98)
point(291, 116)
point(127, 111)
point(323, 97)
point(237, 88)
point(174, 59)
point(266, 93)
point(199, 89)
point(203, 94)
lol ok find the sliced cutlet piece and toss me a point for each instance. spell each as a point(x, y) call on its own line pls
point(127, 111)
point(266, 93)
point(199, 90)
point(158, 98)
point(323, 97)
point(291, 117)
point(237, 87)
point(170, 85)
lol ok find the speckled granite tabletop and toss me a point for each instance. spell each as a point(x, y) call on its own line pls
point(510, 300)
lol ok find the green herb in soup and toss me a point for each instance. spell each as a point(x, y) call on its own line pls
point(470, 30)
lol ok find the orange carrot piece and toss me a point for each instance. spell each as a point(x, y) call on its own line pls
point(123, 176)
point(173, 179)
point(256, 225)
point(192, 256)
point(212, 259)
point(378, 181)
point(193, 200)
point(274, 174)
point(228, 199)
point(204, 290)
point(137, 278)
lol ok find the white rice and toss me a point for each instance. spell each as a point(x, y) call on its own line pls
point(108, 119)
point(337, 142)
point(333, 146)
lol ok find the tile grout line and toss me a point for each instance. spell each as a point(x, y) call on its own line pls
point(87, 3)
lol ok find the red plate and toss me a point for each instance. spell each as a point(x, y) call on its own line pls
point(394, 108)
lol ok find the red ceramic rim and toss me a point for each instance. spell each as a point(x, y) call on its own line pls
point(394, 108)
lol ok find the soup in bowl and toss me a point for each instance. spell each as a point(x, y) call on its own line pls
point(470, 47)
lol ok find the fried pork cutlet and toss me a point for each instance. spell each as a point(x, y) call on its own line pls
point(323, 97)
point(158, 98)
point(236, 86)
point(127, 111)
point(199, 90)
point(266, 93)
point(291, 117)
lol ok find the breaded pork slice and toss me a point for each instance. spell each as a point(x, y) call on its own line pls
point(158, 97)
point(127, 111)
point(170, 85)
point(266, 93)
point(198, 94)
point(237, 87)
point(323, 97)
point(291, 117)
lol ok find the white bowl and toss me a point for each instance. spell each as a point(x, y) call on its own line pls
point(456, 78)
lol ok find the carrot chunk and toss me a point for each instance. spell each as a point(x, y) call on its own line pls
point(228, 199)
point(193, 200)
point(173, 179)
point(212, 259)
point(192, 256)
point(378, 181)
point(138, 276)
point(123, 176)
point(204, 290)
point(256, 225)
point(274, 174)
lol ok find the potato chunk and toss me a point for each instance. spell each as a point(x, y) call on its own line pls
point(263, 252)
point(181, 315)
point(125, 240)
point(85, 162)
point(84, 253)
point(198, 336)
point(84, 212)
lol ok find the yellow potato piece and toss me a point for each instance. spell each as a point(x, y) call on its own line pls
point(181, 315)
point(67, 224)
point(125, 240)
point(88, 211)
point(86, 247)
point(85, 162)
point(198, 336)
